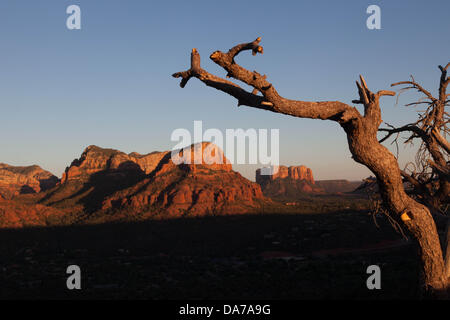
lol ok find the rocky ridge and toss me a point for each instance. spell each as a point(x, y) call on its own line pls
point(16, 180)
point(153, 185)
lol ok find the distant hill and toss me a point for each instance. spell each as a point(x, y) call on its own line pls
point(338, 186)
point(292, 182)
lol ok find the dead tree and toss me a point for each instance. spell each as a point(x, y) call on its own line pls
point(361, 130)
point(429, 174)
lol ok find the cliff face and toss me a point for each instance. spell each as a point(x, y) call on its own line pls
point(294, 173)
point(299, 173)
point(204, 188)
point(95, 159)
point(148, 185)
point(288, 182)
point(23, 180)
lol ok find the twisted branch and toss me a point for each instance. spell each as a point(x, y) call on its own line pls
point(244, 97)
point(270, 99)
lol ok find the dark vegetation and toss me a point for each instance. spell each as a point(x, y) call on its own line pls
point(260, 256)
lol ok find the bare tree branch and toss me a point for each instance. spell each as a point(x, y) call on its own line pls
point(443, 170)
point(441, 140)
point(415, 85)
point(407, 128)
point(271, 100)
point(244, 97)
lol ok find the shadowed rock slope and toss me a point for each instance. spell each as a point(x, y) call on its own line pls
point(14, 214)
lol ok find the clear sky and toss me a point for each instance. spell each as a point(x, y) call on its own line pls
point(110, 83)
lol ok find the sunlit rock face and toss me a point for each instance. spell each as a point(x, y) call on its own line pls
point(22, 180)
point(287, 182)
point(95, 159)
point(195, 181)
point(281, 172)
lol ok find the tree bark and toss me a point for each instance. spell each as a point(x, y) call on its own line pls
point(447, 250)
point(415, 217)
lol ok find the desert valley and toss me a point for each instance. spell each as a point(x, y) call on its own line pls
point(168, 227)
point(106, 185)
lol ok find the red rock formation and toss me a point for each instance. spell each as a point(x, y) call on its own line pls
point(107, 179)
point(147, 162)
point(202, 156)
point(288, 182)
point(95, 159)
point(204, 188)
point(293, 172)
point(106, 184)
point(20, 180)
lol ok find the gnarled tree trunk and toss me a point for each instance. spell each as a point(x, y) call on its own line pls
point(447, 251)
point(365, 148)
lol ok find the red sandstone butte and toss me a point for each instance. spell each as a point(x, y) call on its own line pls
point(288, 182)
point(207, 187)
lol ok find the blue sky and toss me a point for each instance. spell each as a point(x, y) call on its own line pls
point(110, 83)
